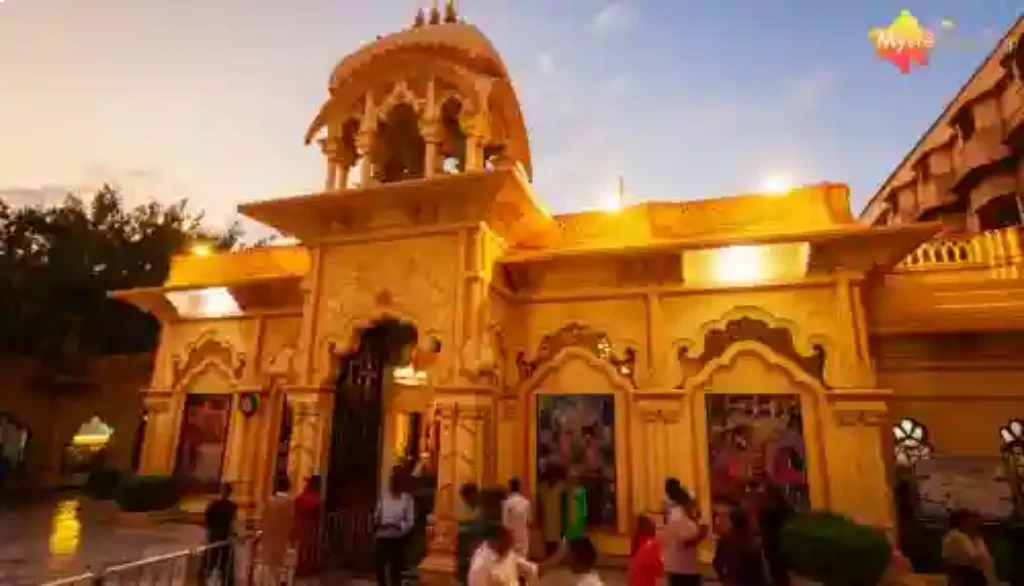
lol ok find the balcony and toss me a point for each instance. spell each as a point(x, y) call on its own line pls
point(971, 283)
point(992, 254)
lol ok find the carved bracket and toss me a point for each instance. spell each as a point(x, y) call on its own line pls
point(576, 335)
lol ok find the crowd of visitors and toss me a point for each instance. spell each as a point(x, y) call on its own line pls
point(503, 541)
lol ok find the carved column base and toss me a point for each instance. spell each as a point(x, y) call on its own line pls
point(439, 567)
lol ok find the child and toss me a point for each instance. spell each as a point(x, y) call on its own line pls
point(645, 567)
point(582, 559)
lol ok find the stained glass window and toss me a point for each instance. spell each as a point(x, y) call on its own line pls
point(911, 442)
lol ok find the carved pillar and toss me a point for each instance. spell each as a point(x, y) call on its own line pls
point(465, 454)
point(365, 142)
point(474, 126)
point(855, 462)
point(338, 162)
point(304, 451)
point(366, 139)
point(159, 436)
point(658, 451)
point(430, 130)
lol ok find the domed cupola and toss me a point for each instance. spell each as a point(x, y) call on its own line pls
point(430, 100)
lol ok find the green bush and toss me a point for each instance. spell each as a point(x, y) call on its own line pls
point(102, 483)
point(834, 550)
point(147, 493)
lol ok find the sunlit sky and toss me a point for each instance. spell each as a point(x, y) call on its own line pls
point(209, 99)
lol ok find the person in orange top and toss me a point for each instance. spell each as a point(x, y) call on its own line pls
point(645, 567)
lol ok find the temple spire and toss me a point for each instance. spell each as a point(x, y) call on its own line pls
point(451, 13)
point(420, 18)
point(435, 14)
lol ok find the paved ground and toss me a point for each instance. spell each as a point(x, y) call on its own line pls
point(61, 538)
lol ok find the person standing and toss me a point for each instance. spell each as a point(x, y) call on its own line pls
point(470, 528)
point(278, 529)
point(964, 553)
point(575, 508)
point(680, 536)
point(394, 519)
point(516, 516)
point(552, 510)
point(308, 506)
point(774, 516)
point(219, 520)
point(495, 563)
point(645, 567)
point(739, 560)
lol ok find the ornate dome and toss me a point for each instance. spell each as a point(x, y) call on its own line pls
point(428, 100)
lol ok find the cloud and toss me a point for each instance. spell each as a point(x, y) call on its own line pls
point(41, 195)
point(615, 17)
point(546, 64)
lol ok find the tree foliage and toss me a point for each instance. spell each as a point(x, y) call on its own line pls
point(58, 263)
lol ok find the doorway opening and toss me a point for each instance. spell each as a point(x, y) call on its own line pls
point(354, 470)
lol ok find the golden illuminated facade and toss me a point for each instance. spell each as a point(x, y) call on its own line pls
point(660, 313)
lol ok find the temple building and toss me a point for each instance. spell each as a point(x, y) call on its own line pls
point(434, 316)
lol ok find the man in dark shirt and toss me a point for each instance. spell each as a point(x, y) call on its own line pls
point(219, 520)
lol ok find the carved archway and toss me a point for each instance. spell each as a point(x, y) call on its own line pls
point(575, 370)
point(752, 368)
point(583, 337)
point(750, 323)
point(206, 349)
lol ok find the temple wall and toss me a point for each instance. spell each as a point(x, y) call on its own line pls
point(54, 418)
point(659, 405)
point(252, 355)
point(947, 381)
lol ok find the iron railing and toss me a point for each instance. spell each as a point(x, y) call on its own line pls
point(227, 563)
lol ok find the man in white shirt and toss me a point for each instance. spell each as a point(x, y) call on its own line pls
point(495, 564)
point(516, 516)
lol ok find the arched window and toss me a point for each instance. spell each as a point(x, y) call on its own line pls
point(911, 442)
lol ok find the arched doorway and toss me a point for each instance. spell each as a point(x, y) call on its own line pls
point(357, 438)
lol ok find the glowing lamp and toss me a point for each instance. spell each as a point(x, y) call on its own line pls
point(776, 185)
point(201, 249)
point(210, 302)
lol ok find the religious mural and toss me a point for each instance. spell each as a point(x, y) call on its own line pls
point(576, 434)
point(756, 443)
point(204, 435)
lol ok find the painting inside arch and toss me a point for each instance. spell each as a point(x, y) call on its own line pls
point(756, 445)
point(576, 434)
point(204, 434)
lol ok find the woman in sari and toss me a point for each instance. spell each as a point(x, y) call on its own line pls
point(308, 507)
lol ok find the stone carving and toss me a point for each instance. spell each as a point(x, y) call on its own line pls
point(576, 335)
point(481, 357)
point(355, 277)
point(779, 339)
point(207, 348)
point(281, 365)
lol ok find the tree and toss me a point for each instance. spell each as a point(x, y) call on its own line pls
point(58, 263)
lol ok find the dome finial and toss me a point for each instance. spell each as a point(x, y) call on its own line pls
point(421, 18)
point(451, 14)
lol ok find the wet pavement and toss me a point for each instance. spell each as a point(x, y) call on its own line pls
point(55, 539)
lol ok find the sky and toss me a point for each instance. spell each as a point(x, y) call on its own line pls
point(685, 99)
